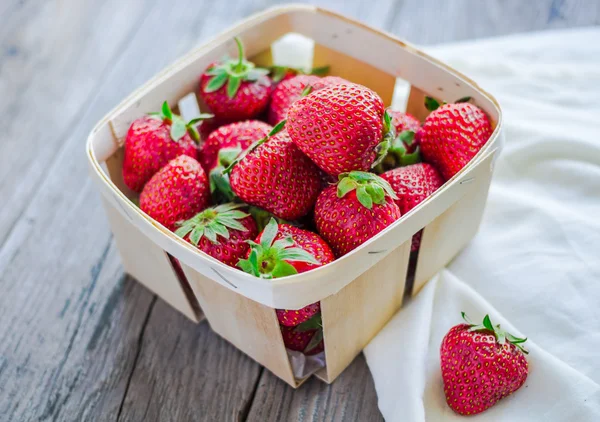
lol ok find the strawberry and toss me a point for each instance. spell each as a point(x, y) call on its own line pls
point(404, 121)
point(282, 250)
point(452, 134)
point(221, 232)
point(285, 94)
point(273, 174)
point(481, 364)
point(235, 89)
point(291, 318)
point(412, 184)
point(177, 192)
point(223, 146)
point(292, 89)
point(340, 127)
point(359, 207)
point(301, 341)
point(153, 140)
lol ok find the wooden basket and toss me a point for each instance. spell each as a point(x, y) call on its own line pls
point(359, 292)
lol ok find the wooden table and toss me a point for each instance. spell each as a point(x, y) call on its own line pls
point(79, 340)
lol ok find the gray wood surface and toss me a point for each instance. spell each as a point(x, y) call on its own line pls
point(79, 340)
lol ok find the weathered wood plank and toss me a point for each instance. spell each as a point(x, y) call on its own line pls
point(186, 372)
point(350, 398)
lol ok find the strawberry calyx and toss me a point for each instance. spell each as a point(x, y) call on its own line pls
point(270, 258)
point(502, 337)
point(370, 188)
point(262, 217)
point(389, 134)
point(178, 126)
point(279, 72)
point(314, 323)
point(432, 104)
point(233, 72)
point(278, 128)
point(212, 222)
point(220, 186)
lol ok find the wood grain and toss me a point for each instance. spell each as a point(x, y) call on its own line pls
point(78, 339)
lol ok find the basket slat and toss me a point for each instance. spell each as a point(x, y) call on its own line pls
point(445, 236)
point(248, 325)
point(148, 263)
point(353, 316)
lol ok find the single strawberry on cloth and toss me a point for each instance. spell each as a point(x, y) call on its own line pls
point(534, 266)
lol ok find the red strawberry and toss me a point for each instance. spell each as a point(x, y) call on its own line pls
point(339, 127)
point(153, 140)
point(282, 250)
point(404, 121)
point(235, 89)
point(177, 192)
point(291, 318)
point(221, 232)
point(301, 340)
point(286, 93)
point(481, 364)
point(412, 185)
point(292, 89)
point(276, 176)
point(359, 207)
point(452, 134)
point(224, 144)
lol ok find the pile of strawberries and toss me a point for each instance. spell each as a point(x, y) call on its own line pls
point(293, 170)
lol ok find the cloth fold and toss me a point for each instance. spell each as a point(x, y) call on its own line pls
point(534, 266)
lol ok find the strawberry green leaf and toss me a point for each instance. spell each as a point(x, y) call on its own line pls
point(216, 70)
point(269, 234)
point(306, 91)
point(220, 186)
point(281, 244)
point(364, 198)
point(210, 234)
point(463, 100)
point(313, 323)
point(431, 104)
point(466, 318)
point(233, 85)
point(166, 111)
point(196, 235)
point(387, 121)
point(178, 129)
point(277, 128)
point(278, 73)
point(319, 71)
point(297, 254)
point(487, 323)
point(283, 269)
point(228, 155)
point(215, 83)
point(346, 185)
point(407, 137)
point(314, 341)
point(219, 229)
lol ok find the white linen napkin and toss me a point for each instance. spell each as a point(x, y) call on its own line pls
point(534, 266)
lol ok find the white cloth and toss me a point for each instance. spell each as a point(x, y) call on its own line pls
point(534, 266)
